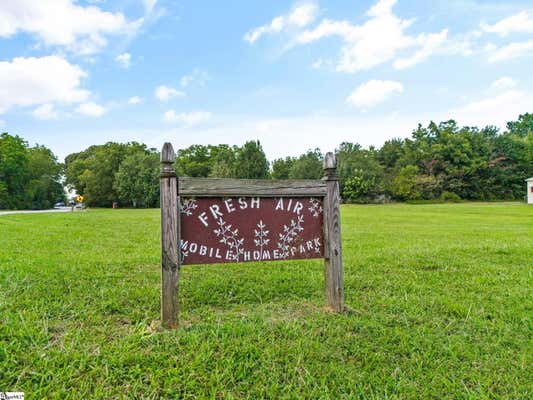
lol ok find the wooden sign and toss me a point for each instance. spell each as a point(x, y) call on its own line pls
point(208, 221)
point(238, 229)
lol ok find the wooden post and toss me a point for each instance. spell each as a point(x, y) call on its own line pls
point(332, 237)
point(169, 238)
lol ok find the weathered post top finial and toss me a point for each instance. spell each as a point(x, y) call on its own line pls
point(167, 153)
point(330, 167)
point(330, 161)
point(168, 157)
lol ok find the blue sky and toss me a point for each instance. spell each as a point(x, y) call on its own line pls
point(295, 75)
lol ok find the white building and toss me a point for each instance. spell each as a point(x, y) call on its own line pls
point(529, 190)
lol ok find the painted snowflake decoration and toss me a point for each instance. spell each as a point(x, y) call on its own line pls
point(187, 206)
point(315, 207)
point(261, 235)
point(229, 237)
point(289, 234)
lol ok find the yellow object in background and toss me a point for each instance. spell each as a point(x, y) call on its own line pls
point(79, 199)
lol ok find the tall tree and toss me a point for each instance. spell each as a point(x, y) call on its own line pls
point(281, 167)
point(522, 127)
point(308, 166)
point(92, 172)
point(137, 179)
point(223, 161)
point(29, 177)
point(13, 171)
point(44, 187)
point(251, 162)
point(194, 161)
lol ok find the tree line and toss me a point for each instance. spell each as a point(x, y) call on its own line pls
point(30, 177)
point(439, 162)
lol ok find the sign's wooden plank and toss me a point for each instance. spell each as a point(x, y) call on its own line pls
point(240, 229)
point(215, 187)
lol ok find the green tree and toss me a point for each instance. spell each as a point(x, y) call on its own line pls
point(137, 179)
point(29, 177)
point(223, 161)
point(251, 162)
point(14, 171)
point(354, 161)
point(308, 166)
point(44, 187)
point(522, 127)
point(281, 167)
point(405, 187)
point(360, 188)
point(92, 172)
point(194, 161)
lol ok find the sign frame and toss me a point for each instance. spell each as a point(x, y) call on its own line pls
point(172, 187)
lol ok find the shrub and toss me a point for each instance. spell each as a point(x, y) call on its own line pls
point(450, 197)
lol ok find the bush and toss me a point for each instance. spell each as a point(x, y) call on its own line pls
point(450, 197)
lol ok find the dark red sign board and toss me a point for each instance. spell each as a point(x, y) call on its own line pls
point(238, 229)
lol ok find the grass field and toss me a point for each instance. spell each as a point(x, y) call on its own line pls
point(440, 300)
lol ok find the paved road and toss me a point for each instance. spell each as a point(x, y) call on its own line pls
point(62, 209)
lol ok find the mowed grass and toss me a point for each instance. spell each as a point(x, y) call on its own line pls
point(439, 296)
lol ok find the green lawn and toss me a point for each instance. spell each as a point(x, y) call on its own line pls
point(440, 300)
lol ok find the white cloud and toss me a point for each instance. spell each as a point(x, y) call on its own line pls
point(33, 81)
point(165, 93)
point(372, 93)
point(63, 23)
point(429, 45)
point(518, 23)
point(198, 76)
point(303, 15)
point(91, 109)
point(187, 119)
point(505, 82)
point(494, 109)
point(509, 51)
point(124, 60)
point(45, 112)
point(380, 39)
point(299, 17)
point(149, 5)
point(135, 100)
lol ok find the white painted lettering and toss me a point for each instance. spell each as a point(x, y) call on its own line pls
point(229, 205)
point(203, 218)
point(255, 200)
point(215, 210)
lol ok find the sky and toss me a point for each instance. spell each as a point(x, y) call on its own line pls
point(295, 75)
